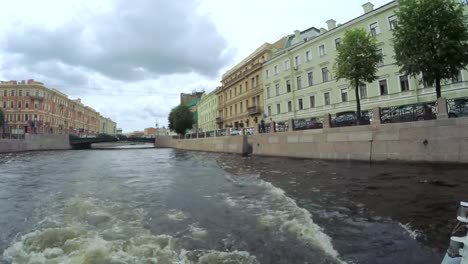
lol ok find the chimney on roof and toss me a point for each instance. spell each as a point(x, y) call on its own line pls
point(331, 24)
point(322, 30)
point(297, 35)
point(368, 7)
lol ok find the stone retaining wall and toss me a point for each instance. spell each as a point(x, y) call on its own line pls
point(444, 140)
point(35, 142)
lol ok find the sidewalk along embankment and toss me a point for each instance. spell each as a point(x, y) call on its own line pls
point(444, 140)
point(35, 142)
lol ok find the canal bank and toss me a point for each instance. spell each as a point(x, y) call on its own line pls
point(35, 142)
point(424, 141)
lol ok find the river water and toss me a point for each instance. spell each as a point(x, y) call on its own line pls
point(169, 206)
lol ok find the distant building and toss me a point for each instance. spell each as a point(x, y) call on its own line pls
point(107, 126)
point(207, 112)
point(30, 107)
point(119, 131)
point(187, 98)
point(240, 98)
point(150, 131)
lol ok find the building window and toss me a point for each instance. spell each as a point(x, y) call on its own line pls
point(301, 105)
point(12, 93)
point(277, 89)
point(308, 55)
point(337, 42)
point(19, 104)
point(26, 117)
point(12, 104)
point(374, 29)
point(326, 98)
point(363, 90)
point(256, 81)
point(27, 92)
point(310, 78)
point(4, 104)
point(240, 108)
point(383, 87)
point(276, 69)
point(278, 109)
point(20, 92)
point(287, 65)
point(322, 50)
point(344, 95)
point(267, 74)
point(457, 78)
point(268, 92)
point(381, 62)
point(288, 86)
point(404, 83)
point(252, 80)
point(312, 101)
point(325, 74)
point(5, 93)
point(297, 61)
point(289, 106)
point(392, 20)
point(269, 110)
point(299, 82)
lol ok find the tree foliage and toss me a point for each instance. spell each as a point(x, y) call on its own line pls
point(431, 37)
point(180, 119)
point(357, 61)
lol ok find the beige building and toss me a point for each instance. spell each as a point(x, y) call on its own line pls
point(240, 98)
point(30, 107)
point(207, 112)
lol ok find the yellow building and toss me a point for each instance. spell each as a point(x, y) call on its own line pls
point(240, 98)
point(207, 112)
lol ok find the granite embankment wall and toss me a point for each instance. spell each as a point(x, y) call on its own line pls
point(35, 142)
point(444, 140)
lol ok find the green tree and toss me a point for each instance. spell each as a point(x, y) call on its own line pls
point(431, 37)
point(357, 61)
point(180, 119)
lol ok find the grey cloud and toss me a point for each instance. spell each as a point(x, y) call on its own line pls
point(135, 40)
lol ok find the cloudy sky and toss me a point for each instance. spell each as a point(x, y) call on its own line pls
point(130, 60)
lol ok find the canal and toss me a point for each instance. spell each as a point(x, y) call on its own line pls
point(169, 206)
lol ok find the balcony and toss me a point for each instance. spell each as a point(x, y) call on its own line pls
point(254, 110)
point(37, 97)
point(219, 120)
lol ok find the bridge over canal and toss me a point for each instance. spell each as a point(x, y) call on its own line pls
point(85, 143)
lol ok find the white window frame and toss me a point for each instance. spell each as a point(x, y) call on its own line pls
point(360, 94)
point(290, 107)
point(311, 73)
point(278, 109)
point(399, 82)
point(382, 62)
point(310, 96)
point(287, 65)
point(378, 86)
point(336, 46)
point(299, 81)
point(300, 103)
point(377, 31)
point(277, 89)
point(297, 60)
point(327, 74)
point(391, 19)
point(267, 74)
point(329, 99)
point(320, 50)
point(344, 91)
point(308, 55)
point(276, 69)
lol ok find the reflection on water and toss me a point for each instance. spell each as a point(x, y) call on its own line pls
point(169, 206)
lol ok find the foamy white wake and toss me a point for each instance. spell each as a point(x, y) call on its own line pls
point(275, 209)
point(89, 231)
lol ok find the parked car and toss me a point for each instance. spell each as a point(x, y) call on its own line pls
point(460, 108)
point(409, 113)
point(235, 131)
point(349, 119)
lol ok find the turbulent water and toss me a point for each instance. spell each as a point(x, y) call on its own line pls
point(169, 206)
